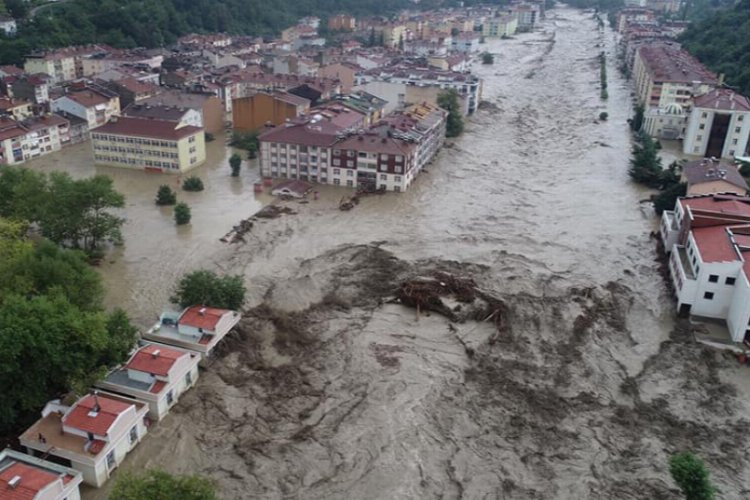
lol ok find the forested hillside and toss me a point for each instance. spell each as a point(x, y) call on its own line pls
point(722, 42)
point(153, 23)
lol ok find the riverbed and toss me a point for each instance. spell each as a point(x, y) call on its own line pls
point(331, 391)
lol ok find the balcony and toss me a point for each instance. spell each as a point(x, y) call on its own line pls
point(683, 262)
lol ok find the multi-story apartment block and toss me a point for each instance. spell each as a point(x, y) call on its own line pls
point(501, 26)
point(18, 109)
point(250, 114)
point(709, 239)
point(373, 160)
point(342, 22)
point(665, 73)
point(156, 374)
point(95, 104)
point(719, 125)
point(154, 145)
point(23, 477)
point(34, 137)
point(634, 15)
point(34, 88)
point(93, 436)
point(62, 64)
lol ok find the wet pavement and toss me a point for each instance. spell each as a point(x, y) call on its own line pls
point(329, 391)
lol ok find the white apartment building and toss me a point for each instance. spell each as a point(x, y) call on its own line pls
point(709, 237)
point(719, 125)
point(95, 105)
point(156, 374)
point(93, 436)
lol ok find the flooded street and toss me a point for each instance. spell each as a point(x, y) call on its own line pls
point(577, 386)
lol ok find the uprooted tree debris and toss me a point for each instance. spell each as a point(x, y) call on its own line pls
point(238, 232)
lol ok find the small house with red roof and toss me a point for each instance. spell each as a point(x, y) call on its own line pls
point(23, 477)
point(708, 238)
point(156, 374)
point(93, 435)
point(197, 328)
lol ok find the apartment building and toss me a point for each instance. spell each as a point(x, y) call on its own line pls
point(501, 26)
point(95, 104)
point(342, 22)
point(23, 477)
point(31, 138)
point(93, 435)
point(709, 238)
point(18, 109)
point(180, 116)
point(665, 74)
point(719, 125)
point(62, 64)
point(372, 160)
point(250, 114)
point(153, 145)
point(156, 374)
point(34, 88)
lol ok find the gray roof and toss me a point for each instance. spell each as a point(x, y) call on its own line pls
point(156, 111)
point(707, 170)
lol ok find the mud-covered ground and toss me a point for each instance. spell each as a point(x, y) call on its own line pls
point(566, 378)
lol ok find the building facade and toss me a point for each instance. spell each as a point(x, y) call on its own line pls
point(719, 125)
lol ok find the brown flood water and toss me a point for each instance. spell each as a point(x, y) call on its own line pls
point(327, 393)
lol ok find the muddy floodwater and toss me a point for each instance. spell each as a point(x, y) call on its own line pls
point(564, 375)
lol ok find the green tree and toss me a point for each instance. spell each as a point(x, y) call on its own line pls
point(666, 199)
point(165, 196)
point(207, 288)
point(158, 485)
point(637, 121)
point(691, 475)
point(448, 100)
point(235, 163)
point(122, 337)
point(645, 163)
point(182, 214)
point(192, 183)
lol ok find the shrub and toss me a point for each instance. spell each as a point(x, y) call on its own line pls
point(192, 183)
point(165, 196)
point(603, 116)
point(691, 475)
point(235, 163)
point(182, 214)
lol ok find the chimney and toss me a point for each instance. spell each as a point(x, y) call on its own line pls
point(202, 311)
point(14, 482)
point(155, 354)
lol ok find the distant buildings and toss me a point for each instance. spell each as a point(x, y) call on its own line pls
point(147, 144)
point(342, 22)
point(502, 26)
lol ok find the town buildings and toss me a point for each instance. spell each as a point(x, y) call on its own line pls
point(148, 144)
point(93, 103)
point(250, 114)
point(32, 137)
point(501, 26)
point(23, 477)
point(156, 374)
point(94, 434)
point(342, 22)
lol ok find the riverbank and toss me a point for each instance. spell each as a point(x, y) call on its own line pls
point(329, 391)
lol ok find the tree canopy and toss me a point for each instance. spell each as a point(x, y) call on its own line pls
point(159, 485)
point(207, 288)
point(691, 475)
point(448, 100)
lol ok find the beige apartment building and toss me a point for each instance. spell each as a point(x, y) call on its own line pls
point(146, 144)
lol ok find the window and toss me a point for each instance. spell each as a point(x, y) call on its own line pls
point(712, 278)
point(382, 186)
point(397, 189)
point(350, 173)
point(189, 378)
point(170, 398)
point(708, 295)
point(397, 178)
point(336, 171)
point(111, 459)
point(350, 183)
point(702, 126)
point(730, 281)
point(383, 177)
point(133, 436)
point(336, 182)
point(699, 138)
point(737, 130)
point(697, 270)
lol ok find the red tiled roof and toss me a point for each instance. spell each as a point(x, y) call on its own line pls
point(109, 410)
point(157, 387)
point(202, 317)
point(714, 244)
point(96, 446)
point(322, 133)
point(153, 359)
point(144, 127)
point(87, 98)
point(722, 204)
point(669, 63)
point(33, 480)
point(724, 99)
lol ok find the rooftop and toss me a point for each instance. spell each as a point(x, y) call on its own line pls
point(723, 99)
point(95, 414)
point(156, 360)
point(31, 480)
point(669, 63)
point(706, 170)
point(146, 127)
point(202, 317)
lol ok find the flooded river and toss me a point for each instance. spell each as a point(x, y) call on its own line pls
point(329, 391)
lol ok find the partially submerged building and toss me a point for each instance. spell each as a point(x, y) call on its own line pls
point(197, 328)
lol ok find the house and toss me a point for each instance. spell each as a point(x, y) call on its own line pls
point(664, 73)
point(148, 144)
point(719, 125)
point(18, 109)
point(34, 88)
point(93, 103)
point(709, 265)
point(293, 188)
point(467, 43)
point(23, 477)
point(12, 135)
point(180, 116)
point(34, 137)
point(94, 434)
point(131, 90)
point(207, 104)
point(712, 176)
point(8, 25)
point(343, 71)
point(197, 328)
point(156, 374)
point(78, 129)
point(250, 114)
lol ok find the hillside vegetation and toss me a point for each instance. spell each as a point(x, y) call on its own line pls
point(721, 42)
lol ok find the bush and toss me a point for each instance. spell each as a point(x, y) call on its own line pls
point(182, 214)
point(448, 100)
point(691, 475)
point(603, 116)
point(235, 163)
point(159, 485)
point(207, 288)
point(192, 183)
point(165, 196)
point(488, 58)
